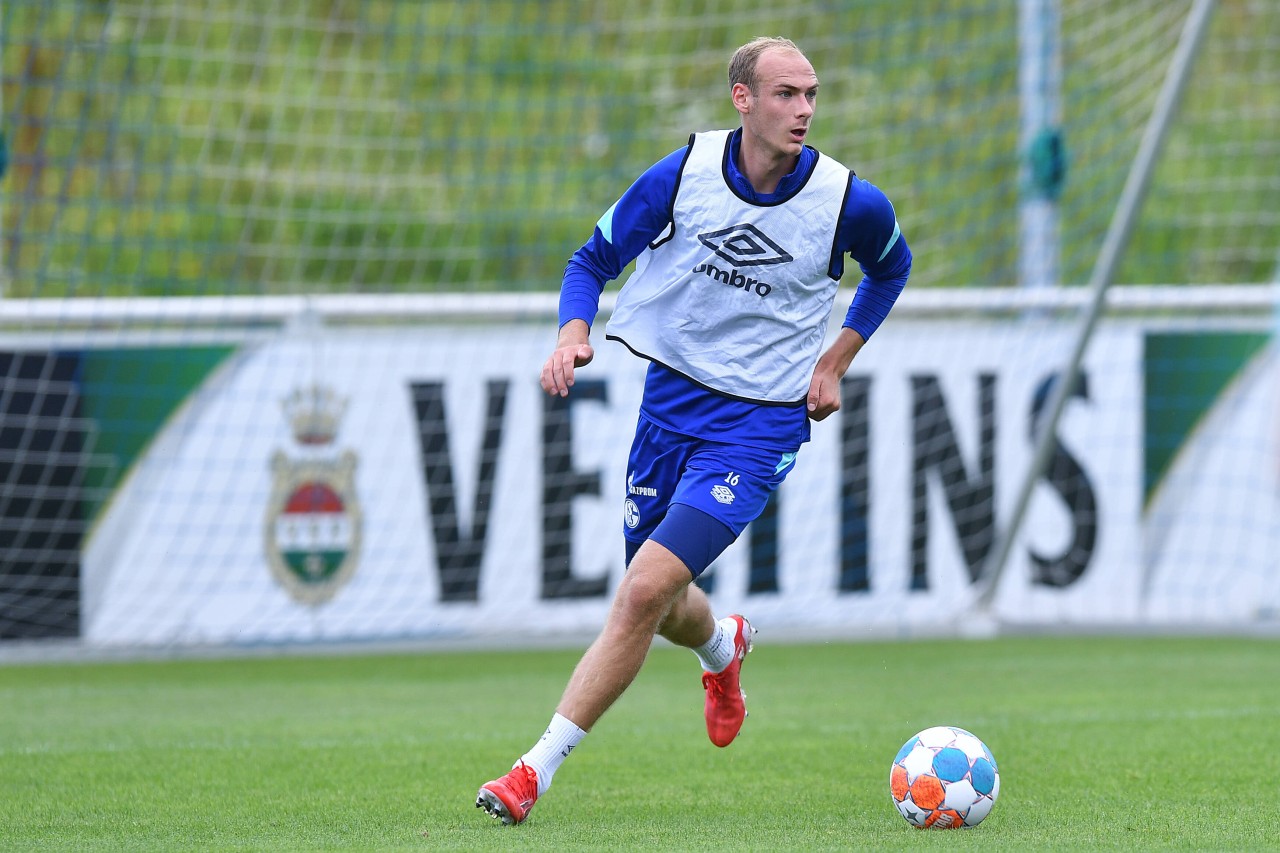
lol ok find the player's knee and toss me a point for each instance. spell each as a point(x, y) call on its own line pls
point(650, 586)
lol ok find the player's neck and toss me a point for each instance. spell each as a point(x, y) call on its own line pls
point(764, 169)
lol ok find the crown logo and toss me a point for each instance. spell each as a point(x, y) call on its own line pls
point(313, 414)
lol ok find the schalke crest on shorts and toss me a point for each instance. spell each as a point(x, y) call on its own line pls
point(313, 518)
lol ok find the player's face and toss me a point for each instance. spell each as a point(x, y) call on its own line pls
point(778, 113)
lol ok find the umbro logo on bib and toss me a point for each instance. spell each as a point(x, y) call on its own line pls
point(745, 246)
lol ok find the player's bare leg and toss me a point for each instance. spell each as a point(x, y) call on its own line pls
point(652, 592)
point(656, 596)
point(689, 622)
point(655, 581)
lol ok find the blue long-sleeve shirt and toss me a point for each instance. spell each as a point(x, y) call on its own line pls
point(867, 232)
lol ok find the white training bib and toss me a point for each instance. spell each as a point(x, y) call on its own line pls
point(736, 296)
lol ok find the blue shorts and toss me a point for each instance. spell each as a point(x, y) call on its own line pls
point(726, 483)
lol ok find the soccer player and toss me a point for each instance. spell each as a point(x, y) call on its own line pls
point(740, 239)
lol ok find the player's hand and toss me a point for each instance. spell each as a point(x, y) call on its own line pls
point(824, 386)
point(824, 395)
point(557, 372)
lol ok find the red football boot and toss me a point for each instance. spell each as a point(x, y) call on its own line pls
point(512, 796)
point(726, 706)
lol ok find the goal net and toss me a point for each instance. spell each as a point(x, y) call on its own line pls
point(276, 281)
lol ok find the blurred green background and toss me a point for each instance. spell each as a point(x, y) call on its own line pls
point(373, 146)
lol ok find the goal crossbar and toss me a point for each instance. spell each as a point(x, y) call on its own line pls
point(62, 314)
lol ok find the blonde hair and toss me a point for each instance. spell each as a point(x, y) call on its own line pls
point(742, 65)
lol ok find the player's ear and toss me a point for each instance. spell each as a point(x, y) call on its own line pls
point(741, 97)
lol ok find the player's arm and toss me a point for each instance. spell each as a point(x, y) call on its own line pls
point(621, 234)
point(869, 233)
point(824, 388)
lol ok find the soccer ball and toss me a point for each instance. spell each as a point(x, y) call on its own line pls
point(944, 778)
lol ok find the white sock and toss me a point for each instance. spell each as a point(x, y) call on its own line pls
point(552, 749)
point(717, 653)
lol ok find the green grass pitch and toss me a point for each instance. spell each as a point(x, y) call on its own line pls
point(1102, 742)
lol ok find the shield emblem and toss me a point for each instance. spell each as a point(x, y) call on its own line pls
point(313, 526)
point(313, 518)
